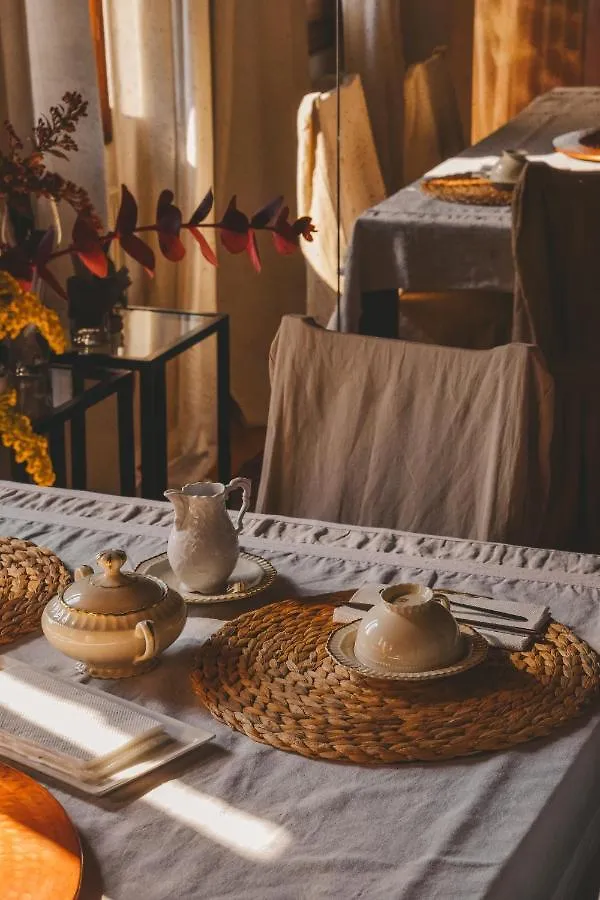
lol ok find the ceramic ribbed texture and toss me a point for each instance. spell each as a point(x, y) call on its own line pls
point(473, 190)
point(29, 577)
point(267, 674)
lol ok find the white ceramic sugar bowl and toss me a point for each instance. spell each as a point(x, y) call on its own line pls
point(114, 622)
point(409, 630)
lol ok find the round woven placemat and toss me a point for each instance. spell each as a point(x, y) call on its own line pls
point(267, 674)
point(29, 577)
point(469, 189)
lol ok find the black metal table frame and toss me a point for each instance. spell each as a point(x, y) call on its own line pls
point(153, 396)
point(115, 382)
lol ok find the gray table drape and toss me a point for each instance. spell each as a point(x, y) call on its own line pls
point(244, 820)
point(414, 242)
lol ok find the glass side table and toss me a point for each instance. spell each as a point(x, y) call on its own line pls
point(63, 394)
point(149, 339)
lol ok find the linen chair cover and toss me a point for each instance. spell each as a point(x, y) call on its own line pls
point(556, 242)
point(388, 433)
point(362, 183)
point(433, 129)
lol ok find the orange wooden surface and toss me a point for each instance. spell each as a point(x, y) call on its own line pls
point(40, 855)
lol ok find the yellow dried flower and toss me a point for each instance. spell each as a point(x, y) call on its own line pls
point(22, 308)
point(29, 448)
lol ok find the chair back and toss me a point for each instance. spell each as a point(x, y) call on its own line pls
point(556, 240)
point(423, 438)
point(316, 181)
point(556, 243)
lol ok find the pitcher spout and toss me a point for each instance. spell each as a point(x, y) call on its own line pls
point(180, 504)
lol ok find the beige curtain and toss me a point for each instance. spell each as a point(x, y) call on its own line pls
point(205, 94)
point(16, 102)
point(521, 49)
point(160, 91)
point(260, 71)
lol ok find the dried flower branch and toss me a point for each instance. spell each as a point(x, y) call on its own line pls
point(25, 174)
point(22, 176)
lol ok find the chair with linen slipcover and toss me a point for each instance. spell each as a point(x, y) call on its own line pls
point(556, 242)
point(418, 437)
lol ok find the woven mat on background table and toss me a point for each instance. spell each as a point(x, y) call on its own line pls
point(29, 577)
point(267, 674)
point(471, 189)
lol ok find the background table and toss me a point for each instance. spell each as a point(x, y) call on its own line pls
point(63, 394)
point(243, 820)
point(149, 339)
point(415, 242)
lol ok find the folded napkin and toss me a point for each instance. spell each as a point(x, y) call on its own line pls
point(535, 616)
point(68, 727)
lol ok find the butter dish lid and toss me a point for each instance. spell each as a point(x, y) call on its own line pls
point(112, 591)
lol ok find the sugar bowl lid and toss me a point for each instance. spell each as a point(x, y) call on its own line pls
point(112, 591)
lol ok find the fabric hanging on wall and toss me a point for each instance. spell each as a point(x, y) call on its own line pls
point(260, 72)
point(522, 48)
point(373, 48)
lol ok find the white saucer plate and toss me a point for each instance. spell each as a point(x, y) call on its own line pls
point(252, 575)
point(340, 646)
point(570, 145)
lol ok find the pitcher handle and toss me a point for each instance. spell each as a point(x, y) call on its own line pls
point(246, 486)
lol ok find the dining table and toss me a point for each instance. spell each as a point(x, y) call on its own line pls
point(240, 819)
point(415, 242)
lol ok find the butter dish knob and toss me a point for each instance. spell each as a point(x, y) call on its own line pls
point(112, 561)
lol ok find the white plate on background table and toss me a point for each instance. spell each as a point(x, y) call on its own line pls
point(184, 738)
point(570, 144)
point(340, 646)
point(252, 575)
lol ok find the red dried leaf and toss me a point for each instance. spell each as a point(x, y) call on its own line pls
point(128, 211)
point(266, 214)
point(88, 247)
point(165, 201)
point(234, 220)
point(168, 225)
point(171, 246)
point(207, 251)
point(203, 209)
point(234, 241)
point(253, 251)
point(139, 251)
point(284, 237)
point(284, 244)
point(305, 227)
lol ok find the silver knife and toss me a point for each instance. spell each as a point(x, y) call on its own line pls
point(489, 626)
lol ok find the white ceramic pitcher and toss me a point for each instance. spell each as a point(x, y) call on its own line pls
point(203, 543)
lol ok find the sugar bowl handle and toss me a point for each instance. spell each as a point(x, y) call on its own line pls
point(246, 486)
point(442, 600)
point(145, 630)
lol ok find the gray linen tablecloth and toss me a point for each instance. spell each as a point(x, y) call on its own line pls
point(242, 820)
point(415, 242)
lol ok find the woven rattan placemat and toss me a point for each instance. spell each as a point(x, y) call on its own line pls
point(29, 577)
point(267, 674)
point(470, 189)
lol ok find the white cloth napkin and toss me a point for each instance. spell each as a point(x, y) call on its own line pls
point(535, 616)
point(68, 727)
